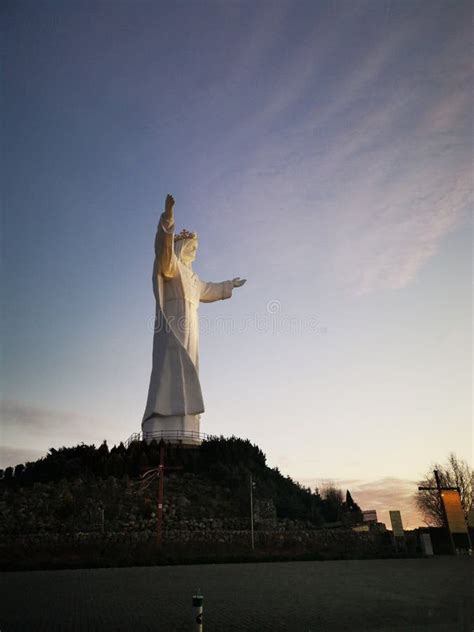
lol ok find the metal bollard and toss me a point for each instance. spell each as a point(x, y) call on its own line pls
point(197, 612)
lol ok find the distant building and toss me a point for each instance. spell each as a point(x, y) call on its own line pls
point(370, 515)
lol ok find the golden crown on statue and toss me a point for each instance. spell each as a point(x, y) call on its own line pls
point(185, 234)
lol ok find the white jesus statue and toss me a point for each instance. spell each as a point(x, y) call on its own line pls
point(174, 396)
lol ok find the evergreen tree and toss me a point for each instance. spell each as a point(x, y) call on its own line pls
point(19, 469)
point(349, 501)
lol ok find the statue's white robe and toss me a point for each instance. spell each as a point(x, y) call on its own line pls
point(174, 388)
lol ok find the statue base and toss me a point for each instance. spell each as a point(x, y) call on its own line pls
point(182, 429)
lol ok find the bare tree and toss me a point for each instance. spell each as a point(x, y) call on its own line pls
point(454, 473)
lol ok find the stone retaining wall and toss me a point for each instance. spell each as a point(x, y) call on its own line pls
point(312, 541)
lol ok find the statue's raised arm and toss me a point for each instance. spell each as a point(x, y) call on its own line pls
point(164, 242)
point(169, 209)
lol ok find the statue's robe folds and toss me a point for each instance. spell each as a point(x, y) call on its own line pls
point(175, 390)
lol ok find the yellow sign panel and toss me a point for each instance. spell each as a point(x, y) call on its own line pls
point(397, 526)
point(454, 511)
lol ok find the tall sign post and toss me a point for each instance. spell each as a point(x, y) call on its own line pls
point(455, 517)
point(397, 530)
point(251, 511)
point(453, 514)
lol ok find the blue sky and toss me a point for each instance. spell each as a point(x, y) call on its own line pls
point(320, 149)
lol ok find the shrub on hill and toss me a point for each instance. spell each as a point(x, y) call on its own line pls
point(226, 461)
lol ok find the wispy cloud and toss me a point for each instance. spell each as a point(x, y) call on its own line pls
point(25, 425)
point(381, 163)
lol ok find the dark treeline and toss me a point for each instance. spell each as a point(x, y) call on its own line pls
point(228, 461)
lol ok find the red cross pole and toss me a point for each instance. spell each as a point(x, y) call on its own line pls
point(150, 474)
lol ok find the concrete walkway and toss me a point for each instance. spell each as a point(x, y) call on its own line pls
point(403, 595)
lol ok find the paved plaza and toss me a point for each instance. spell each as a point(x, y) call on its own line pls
point(403, 595)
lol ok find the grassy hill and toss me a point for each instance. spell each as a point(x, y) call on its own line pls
point(81, 487)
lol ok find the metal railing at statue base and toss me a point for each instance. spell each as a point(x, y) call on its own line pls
point(188, 437)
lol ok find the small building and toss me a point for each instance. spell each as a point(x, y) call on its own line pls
point(369, 515)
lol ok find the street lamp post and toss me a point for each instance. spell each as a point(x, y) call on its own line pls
point(251, 512)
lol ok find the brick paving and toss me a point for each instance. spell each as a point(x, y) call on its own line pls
point(393, 595)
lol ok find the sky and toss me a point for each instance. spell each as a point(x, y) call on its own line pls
point(322, 150)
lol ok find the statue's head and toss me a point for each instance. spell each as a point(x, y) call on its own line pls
point(185, 246)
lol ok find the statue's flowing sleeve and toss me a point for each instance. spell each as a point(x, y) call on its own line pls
point(211, 292)
point(164, 248)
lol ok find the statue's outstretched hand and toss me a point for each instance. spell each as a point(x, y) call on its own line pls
point(238, 282)
point(169, 205)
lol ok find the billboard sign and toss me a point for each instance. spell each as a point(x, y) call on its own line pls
point(397, 525)
point(426, 544)
point(454, 511)
point(369, 516)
